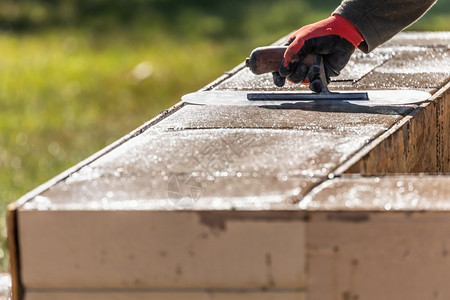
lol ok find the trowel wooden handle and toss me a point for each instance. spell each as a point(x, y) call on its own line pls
point(268, 59)
point(265, 59)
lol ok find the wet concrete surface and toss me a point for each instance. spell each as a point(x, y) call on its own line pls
point(414, 39)
point(385, 193)
point(198, 191)
point(419, 81)
point(307, 117)
point(418, 68)
point(234, 164)
point(234, 157)
point(361, 64)
point(245, 153)
point(418, 60)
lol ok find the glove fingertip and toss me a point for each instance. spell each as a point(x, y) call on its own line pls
point(278, 80)
point(316, 86)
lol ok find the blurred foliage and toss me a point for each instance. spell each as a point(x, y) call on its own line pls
point(77, 75)
point(192, 19)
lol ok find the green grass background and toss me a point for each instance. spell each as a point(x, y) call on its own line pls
point(77, 75)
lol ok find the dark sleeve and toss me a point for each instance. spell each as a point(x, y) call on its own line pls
point(380, 20)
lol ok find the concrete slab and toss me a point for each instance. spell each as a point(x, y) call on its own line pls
point(361, 64)
point(419, 81)
point(390, 193)
point(415, 39)
point(418, 68)
point(306, 117)
point(148, 171)
point(310, 151)
point(192, 190)
point(410, 60)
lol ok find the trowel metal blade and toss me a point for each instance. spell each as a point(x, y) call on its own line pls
point(375, 98)
point(307, 96)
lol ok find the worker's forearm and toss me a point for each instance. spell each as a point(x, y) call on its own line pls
point(380, 20)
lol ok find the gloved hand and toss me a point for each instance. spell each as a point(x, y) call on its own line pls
point(334, 38)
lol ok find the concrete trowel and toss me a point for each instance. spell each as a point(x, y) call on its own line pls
point(267, 60)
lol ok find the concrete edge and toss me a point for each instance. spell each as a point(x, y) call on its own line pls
point(355, 179)
point(378, 140)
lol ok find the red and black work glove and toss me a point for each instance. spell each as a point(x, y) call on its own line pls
point(334, 38)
